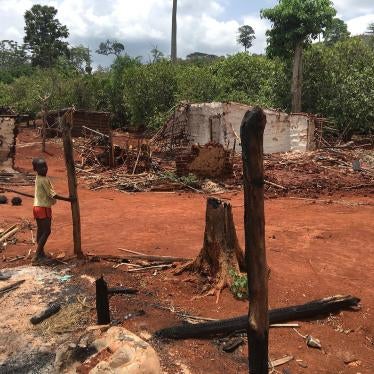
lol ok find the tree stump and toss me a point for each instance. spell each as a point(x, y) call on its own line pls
point(221, 251)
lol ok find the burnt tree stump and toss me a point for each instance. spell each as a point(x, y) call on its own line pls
point(221, 251)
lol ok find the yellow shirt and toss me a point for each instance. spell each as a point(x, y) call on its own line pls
point(44, 192)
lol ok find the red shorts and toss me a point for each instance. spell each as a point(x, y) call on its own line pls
point(41, 212)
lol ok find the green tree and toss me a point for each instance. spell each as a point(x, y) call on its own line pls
point(338, 30)
point(370, 30)
point(156, 54)
point(174, 32)
point(295, 23)
point(80, 58)
point(111, 47)
point(246, 36)
point(14, 61)
point(45, 35)
point(339, 84)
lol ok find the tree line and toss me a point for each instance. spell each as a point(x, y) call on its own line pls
point(333, 77)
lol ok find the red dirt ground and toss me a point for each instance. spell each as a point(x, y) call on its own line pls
point(315, 247)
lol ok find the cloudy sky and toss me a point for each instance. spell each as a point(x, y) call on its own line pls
point(208, 26)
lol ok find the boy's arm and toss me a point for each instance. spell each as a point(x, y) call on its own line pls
point(63, 198)
point(52, 193)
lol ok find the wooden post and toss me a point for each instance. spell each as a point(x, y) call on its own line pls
point(72, 182)
point(102, 302)
point(251, 133)
point(44, 126)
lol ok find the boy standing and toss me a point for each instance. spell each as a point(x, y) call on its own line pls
point(44, 198)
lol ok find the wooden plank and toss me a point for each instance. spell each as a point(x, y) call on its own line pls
point(72, 183)
point(252, 134)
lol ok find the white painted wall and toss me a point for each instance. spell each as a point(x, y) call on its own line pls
point(283, 132)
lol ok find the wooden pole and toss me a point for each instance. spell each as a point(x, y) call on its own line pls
point(44, 126)
point(102, 302)
point(251, 133)
point(72, 182)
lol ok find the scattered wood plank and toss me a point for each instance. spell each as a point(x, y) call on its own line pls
point(289, 325)
point(280, 361)
point(275, 185)
point(9, 234)
point(146, 268)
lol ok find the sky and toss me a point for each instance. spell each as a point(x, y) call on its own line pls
point(208, 26)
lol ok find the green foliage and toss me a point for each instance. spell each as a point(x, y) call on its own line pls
point(239, 285)
point(246, 36)
point(336, 31)
point(149, 90)
point(44, 35)
point(339, 83)
point(252, 80)
point(80, 58)
point(111, 47)
point(13, 61)
point(197, 84)
point(189, 180)
point(294, 22)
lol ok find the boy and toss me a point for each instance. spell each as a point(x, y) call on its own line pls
point(44, 198)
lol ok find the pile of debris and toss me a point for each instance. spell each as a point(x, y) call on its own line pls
point(323, 171)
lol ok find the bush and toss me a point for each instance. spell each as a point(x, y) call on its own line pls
point(339, 84)
point(149, 91)
point(252, 80)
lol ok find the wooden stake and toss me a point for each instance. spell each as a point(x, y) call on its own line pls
point(102, 302)
point(251, 133)
point(72, 183)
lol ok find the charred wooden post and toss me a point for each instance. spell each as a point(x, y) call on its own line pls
point(252, 133)
point(102, 302)
point(72, 183)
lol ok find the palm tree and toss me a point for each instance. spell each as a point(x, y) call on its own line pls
point(174, 33)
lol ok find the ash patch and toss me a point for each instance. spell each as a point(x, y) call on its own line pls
point(25, 348)
point(33, 362)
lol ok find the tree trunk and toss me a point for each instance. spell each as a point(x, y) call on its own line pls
point(221, 251)
point(174, 33)
point(297, 78)
point(252, 134)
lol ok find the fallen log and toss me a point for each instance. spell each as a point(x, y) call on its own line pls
point(296, 312)
point(11, 286)
point(46, 313)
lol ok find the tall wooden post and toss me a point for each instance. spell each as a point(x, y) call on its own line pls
point(252, 133)
point(72, 182)
point(44, 125)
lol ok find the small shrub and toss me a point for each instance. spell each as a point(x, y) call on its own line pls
point(239, 286)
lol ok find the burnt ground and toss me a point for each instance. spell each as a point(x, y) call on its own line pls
point(318, 245)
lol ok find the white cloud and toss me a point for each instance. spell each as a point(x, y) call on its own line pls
point(359, 25)
point(203, 25)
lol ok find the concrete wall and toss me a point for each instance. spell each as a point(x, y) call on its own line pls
point(283, 132)
point(7, 141)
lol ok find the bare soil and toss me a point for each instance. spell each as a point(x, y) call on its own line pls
point(318, 246)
